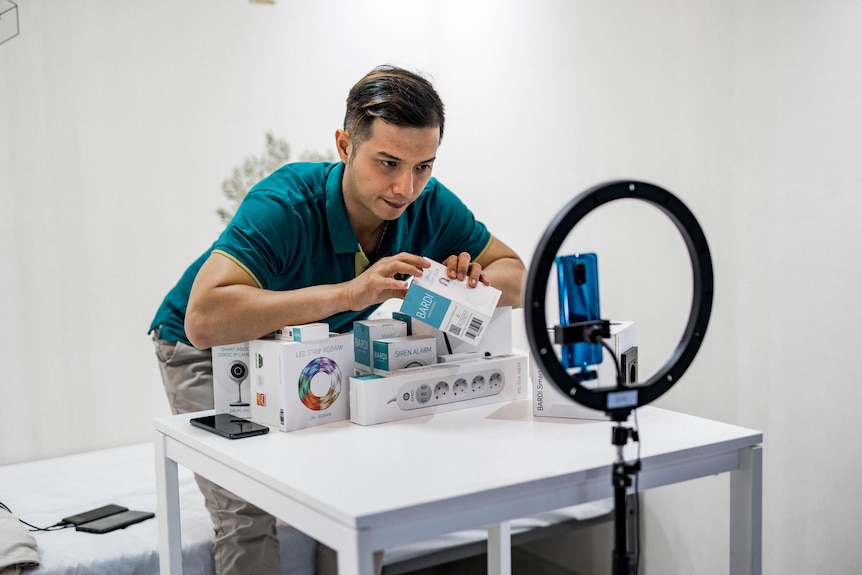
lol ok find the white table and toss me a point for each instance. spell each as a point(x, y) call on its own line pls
point(358, 489)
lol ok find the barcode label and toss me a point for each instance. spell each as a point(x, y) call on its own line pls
point(474, 328)
point(454, 329)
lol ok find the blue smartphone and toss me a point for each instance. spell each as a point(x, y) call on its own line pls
point(578, 279)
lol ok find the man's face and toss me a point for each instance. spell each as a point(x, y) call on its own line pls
point(386, 173)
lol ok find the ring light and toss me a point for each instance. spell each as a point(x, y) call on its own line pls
point(620, 401)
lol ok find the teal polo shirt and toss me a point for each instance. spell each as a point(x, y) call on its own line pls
point(291, 231)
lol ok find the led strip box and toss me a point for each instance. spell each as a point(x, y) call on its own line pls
point(437, 388)
point(300, 384)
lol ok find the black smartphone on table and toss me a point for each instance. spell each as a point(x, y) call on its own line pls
point(229, 426)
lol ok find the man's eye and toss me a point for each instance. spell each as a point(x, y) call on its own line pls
point(424, 167)
point(389, 163)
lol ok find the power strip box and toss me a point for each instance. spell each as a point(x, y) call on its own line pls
point(300, 384)
point(437, 388)
point(550, 401)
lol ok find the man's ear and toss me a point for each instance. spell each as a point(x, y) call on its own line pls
point(343, 145)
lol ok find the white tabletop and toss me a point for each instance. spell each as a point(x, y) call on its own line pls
point(452, 463)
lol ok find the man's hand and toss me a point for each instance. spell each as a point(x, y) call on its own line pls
point(384, 280)
point(497, 266)
point(460, 267)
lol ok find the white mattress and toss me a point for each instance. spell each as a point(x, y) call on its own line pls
point(43, 492)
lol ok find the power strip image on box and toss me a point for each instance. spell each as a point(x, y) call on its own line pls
point(437, 388)
point(413, 395)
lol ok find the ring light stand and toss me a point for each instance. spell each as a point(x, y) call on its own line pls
point(618, 402)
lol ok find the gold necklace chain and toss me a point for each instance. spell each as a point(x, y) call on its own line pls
point(383, 235)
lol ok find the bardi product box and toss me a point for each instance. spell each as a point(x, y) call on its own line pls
point(231, 389)
point(365, 332)
point(550, 401)
point(496, 341)
point(300, 384)
point(396, 353)
point(450, 305)
point(437, 388)
point(306, 332)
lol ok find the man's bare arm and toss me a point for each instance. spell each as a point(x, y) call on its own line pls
point(226, 306)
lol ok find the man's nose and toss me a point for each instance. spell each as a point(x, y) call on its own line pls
point(404, 183)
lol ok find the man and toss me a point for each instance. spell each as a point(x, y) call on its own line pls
point(323, 242)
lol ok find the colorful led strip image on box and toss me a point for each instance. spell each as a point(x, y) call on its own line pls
point(315, 366)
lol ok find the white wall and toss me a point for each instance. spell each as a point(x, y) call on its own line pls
point(119, 121)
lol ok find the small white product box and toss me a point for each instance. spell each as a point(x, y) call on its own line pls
point(306, 332)
point(300, 384)
point(396, 353)
point(437, 388)
point(497, 339)
point(231, 388)
point(365, 333)
point(550, 401)
point(450, 305)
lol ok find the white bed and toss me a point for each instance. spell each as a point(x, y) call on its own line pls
point(43, 492)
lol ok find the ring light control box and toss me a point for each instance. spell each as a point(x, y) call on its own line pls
point(300, 384)
point(437, 388)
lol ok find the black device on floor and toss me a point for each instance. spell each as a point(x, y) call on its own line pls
point(94, 514)
point(229, 426)
point(114, 522)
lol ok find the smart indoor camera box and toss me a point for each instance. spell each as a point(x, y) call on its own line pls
point(394, 353)
point(297, 384)
point(550, 401)
point(231, 388)
point(437, 388)
point(365, 333)
point(450, 305)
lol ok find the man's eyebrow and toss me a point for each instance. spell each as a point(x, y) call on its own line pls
point(389, 156)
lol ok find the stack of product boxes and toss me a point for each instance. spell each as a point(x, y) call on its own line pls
point(432, 356)
point(445, 362)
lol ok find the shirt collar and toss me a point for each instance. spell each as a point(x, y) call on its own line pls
point(340, 232)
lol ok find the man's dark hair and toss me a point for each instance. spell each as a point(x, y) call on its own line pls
point(396, 96)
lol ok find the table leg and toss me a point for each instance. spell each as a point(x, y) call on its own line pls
point(500, 549)
point(168, 510)
point(746, 513)
point(357, 558)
